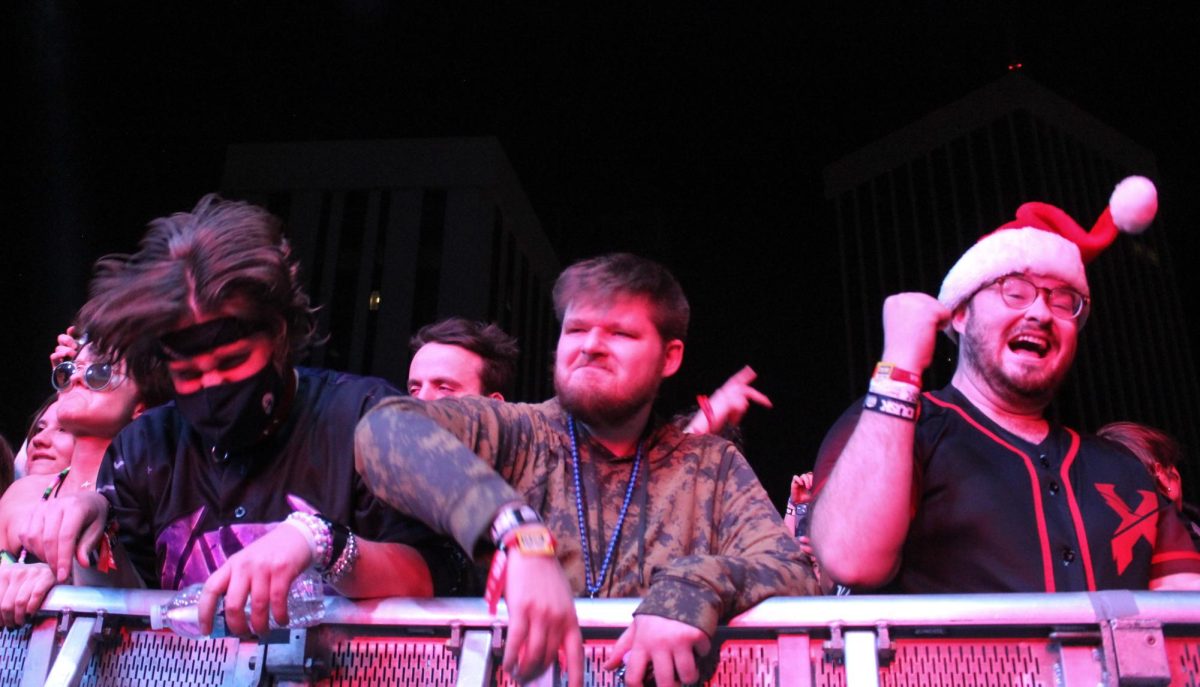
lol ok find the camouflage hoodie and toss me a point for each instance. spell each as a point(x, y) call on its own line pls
point(701, 542)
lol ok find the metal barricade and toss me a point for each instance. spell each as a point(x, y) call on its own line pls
point(91, 636)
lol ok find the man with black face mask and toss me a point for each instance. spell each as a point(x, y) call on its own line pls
point(247, 480)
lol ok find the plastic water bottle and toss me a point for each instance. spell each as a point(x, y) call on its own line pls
point(305, 604)
point(801, 520)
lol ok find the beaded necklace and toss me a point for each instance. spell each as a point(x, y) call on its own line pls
point(593, 587)
point(56, 485)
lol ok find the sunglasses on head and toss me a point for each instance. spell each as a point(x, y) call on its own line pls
point(97, 376)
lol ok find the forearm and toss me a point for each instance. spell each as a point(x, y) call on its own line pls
point(385, 569)
point(754, 557)
point(702, 591)
point(789, 522)
point(421, 469)
point(861, 517)
point(1176, 582)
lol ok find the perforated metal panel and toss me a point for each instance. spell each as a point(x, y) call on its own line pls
point(743, 663)
point(393, 663)
point(954, 663)
point(164, 660)
point(746, 663)
point(1183, 656)
point(595, 653)
point(13, 648)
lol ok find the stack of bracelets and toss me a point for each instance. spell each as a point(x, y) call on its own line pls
point(516, 527)
point(334, 549)
point(894, 392)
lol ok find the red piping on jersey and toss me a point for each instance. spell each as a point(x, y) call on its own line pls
point(1169, 556)
point(1076, 517)
point(1043, 537)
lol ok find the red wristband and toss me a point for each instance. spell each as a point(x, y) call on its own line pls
point(706, 408)
point(495, 580)
point(531, 540)
point(891, 371)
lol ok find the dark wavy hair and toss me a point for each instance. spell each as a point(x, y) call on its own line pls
point(6, 464)
point(1150, 445)
point(606, 276)
point(222, 253)
point(497, 349)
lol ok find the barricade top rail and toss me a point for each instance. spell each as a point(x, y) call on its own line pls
point(961, 610)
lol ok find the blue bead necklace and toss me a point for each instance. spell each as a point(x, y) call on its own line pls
point(593, 587)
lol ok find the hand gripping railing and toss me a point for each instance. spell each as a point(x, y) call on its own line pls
point(94, 636)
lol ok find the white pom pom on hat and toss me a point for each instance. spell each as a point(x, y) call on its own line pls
point(1044, 240)
point(1133, 204)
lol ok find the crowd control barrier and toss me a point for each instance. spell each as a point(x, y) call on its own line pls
point(93, 636)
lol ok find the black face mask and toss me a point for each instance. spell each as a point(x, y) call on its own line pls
point(234, 415)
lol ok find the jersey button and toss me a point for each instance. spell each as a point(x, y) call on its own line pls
point(1068, 555)
point(1045, 461)
point(239, 512)
point(1054, 487)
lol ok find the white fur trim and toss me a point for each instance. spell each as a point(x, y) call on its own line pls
point(1013, 251)
point(1133, 204)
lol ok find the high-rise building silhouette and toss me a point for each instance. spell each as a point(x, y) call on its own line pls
point(393, 235)
point(907, 206)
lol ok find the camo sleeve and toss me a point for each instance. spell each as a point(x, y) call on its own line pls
point(437, 462)
point(754, 557)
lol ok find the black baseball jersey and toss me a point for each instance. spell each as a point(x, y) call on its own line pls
point(994, 513)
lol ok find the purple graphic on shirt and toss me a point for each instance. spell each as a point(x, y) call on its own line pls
point(189, 555)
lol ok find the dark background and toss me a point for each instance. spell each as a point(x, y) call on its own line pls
point(694, 134)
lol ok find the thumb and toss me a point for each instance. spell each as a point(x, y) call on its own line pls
point(88, 542)
point(617, 657)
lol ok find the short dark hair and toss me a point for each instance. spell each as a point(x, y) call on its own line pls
point(221, 251)
point(624, 274)
point(498, 350)
point(6, 464)
point(1150, 445)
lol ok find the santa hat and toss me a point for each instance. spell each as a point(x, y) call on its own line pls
point(1045, 241)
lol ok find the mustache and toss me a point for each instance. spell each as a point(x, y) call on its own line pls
point(1042, 330)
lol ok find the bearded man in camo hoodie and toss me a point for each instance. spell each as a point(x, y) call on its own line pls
point(627, 505)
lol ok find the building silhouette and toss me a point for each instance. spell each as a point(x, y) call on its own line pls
point(907, 206)
point(392, 235)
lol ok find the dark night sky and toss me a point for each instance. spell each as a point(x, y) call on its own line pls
point(693, 134)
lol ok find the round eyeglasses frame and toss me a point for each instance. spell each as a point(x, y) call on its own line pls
point(1019, 293)
point(97, 376)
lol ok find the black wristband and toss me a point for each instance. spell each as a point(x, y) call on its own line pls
point(509, 518)
point(340, 535)
point(891, 406)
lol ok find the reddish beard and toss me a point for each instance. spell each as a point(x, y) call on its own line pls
point(600, 406)
point(1038, 387)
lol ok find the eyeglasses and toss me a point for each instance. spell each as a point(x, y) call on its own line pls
point(1019, 293)
point(97, 376)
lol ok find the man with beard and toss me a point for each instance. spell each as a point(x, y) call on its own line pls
point(631, 506)
point(971, 488)
point(244, 481)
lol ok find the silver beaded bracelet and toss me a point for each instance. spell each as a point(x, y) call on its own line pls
point(345, 563)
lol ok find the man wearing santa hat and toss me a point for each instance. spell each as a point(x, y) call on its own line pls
point(970, 488)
